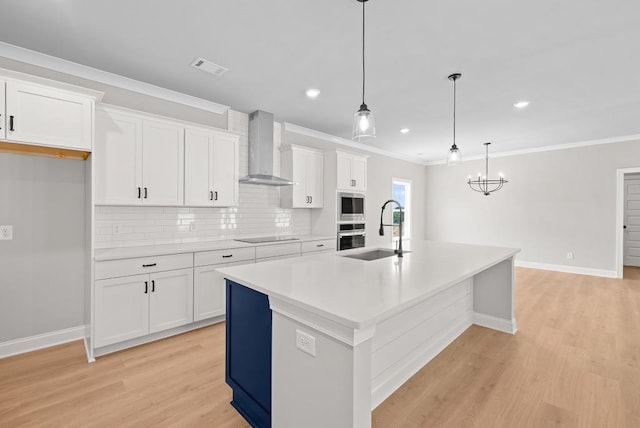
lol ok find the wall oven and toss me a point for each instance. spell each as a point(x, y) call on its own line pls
point(351, 207)
point(350, 236)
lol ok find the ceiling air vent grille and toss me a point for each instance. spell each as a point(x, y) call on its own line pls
point(209, 67)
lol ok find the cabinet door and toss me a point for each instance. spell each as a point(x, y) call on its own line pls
point(225, 170)
point(121, 309)
point(198, 181)
point(359, 173)
point(48, 117)
point(162, 163)
point(300, 194)
point(315, 179)
point(2, 115)
point(209, 291)
point(118, 159)
point(344, 173)
point(171, 299)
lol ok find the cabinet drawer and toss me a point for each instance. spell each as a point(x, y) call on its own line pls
point(277, 250)
point(117, 268)
point(270, 259)
point(215, 257)
point(324, 245)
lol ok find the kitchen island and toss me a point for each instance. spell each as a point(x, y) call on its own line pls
point(323, 341)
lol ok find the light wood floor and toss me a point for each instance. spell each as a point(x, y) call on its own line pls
point(575, 361)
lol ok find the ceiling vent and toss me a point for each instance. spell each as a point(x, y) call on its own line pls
point(209, 67)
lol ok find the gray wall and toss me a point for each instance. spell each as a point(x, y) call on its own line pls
point(380, 172)
point(42, 268)
point(555, 202)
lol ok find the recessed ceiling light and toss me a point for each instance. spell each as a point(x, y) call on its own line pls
point(404, 131)
point(521, 104)
point(209, 67)
point(313, 92)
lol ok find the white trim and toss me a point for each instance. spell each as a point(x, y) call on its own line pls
point(567, 269)
point(495, 323)
point(620, 173)
point(39, 341)
point(60, 65)
point(119, 346)
point(620, 139)
point(350, 336)
point(290, 127)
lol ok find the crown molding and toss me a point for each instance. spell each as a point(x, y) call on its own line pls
point(38, 59)
point(612, 140)
point(290, 127)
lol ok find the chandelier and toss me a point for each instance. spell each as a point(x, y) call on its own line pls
point(483, 184)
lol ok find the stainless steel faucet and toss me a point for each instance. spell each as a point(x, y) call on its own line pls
point(381, 231)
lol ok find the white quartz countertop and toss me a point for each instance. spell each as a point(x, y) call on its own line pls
point(358, 293)
point(105, 254)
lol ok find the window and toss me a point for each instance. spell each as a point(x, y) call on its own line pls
point(401, 192)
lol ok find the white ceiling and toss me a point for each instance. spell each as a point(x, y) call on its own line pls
point(576, 61)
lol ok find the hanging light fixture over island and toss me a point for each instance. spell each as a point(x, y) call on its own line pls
point(364, 125)
point(454, 157)
point(484, 184)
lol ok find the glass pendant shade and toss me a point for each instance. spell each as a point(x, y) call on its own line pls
point(364, 125)
point(454, 158)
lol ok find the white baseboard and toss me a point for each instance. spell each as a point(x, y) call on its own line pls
point(567, 269)
point(33, 343)
point(495, 323)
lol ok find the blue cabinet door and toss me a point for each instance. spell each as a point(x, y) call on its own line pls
point(248, 353)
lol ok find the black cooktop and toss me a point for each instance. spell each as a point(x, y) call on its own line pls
point(263, 239)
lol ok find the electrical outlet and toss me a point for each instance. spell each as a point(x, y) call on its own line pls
point(192, 226)
point(306, 343)
point(570, 255)
point(115, 229)
point(6, 233)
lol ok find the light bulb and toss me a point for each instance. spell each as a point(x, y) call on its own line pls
point(454, 155)
point(501, 175)
point(364, 122)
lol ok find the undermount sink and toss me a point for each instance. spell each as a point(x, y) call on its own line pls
point(373, 254)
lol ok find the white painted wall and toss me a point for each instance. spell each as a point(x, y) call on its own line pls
point(380, 172)
point(555, 202)
point(42, 268)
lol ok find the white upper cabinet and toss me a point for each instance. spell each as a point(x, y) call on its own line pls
point(211, 168)
point(46, 116)
point(118, 159)
point(305, 167)
point(162, 163)
point(138, 160)
point(352, 172)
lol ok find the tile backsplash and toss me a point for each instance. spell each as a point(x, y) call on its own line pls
point(258, 213)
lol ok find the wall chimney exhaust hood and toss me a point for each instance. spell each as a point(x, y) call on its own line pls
point(261, 151)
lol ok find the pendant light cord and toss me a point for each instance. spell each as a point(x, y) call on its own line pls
point(454, 112)
point(363, 72)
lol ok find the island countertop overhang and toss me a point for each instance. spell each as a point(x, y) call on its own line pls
point(358, 294)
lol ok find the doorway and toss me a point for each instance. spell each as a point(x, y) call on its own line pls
point(627, 219)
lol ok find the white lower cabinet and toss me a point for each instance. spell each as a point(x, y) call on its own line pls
point(121, 309)
point(171, 299)
point(209, 291)
point(130, 304)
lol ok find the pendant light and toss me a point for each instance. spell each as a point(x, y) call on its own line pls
point(364, 125)
point(454, 157)
point(483, 184)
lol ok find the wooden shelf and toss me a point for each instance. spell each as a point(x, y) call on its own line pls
point(53, 152)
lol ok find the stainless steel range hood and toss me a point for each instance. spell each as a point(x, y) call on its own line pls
point(261, 151)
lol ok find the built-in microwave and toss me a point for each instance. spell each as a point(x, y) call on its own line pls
point(351, 207)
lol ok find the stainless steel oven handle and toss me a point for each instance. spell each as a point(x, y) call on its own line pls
point(341, 234)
